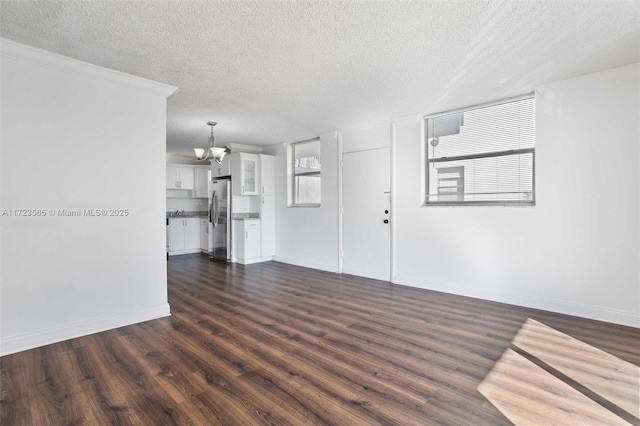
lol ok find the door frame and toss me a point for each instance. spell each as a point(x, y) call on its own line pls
point(392, 205)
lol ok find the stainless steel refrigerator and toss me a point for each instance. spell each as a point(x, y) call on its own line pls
point(220, 219)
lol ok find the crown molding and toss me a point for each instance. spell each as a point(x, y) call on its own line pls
point(238, 147)
point(11, 49)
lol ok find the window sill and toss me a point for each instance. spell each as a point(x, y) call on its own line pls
point(480, 204)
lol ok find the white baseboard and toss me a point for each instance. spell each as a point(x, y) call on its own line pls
point(631, 319)
point(254, 260)
point(307, 264)
point(181, 252)
point(95, 325)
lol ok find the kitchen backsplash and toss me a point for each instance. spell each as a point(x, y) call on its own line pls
point(198, 204)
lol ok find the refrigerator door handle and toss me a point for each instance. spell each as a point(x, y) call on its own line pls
point(215, 212)
point(213, 197)
point(212, 208)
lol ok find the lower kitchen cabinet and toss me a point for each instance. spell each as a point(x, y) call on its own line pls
point(204, 235)
point(184, 235)
point(247, 241)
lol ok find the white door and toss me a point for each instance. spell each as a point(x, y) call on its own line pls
point(366, 237)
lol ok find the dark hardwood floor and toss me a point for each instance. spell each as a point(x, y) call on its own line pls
point(277, 344)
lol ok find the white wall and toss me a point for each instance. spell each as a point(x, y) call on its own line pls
point(363, 139)
point(308, 236)
point(578, 250)
point(77, 136)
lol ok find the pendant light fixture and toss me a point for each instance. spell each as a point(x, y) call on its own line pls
point(213, 152)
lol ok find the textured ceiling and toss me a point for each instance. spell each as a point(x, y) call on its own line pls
point(282, 71)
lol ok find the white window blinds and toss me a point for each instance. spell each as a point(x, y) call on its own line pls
point(306, 184)
point(482, 156)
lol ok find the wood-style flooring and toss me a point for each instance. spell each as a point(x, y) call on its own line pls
point(278, 344)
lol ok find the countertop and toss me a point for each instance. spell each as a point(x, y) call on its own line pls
point(244, 216)
point(187, 214)
point(199, 214)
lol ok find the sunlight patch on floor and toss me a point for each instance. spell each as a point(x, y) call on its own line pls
point(527, 394)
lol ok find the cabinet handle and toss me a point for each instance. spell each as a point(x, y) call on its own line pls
point(242, 189)
point(263, 189)
point(246, 234)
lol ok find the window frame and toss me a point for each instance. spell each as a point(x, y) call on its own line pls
point(292, 165)
point(427, 161)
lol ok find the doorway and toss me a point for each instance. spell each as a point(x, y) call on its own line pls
point(366, 217)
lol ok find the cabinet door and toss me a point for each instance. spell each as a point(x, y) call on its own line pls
point(244, 170)
point(267, 174)
point(204, 235)
point(267, 226)
point(223, 169)
point(238, 236)
point(192, 234)
point(249, 175)
point(200, 180)
point(185, 177)
point(172, 177)
point(252, 243)
point(176, 234)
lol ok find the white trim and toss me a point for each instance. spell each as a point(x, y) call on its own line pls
point(392, 200)
point(238, 147)
point(340, 203)
point(181, 252)
point(253, 260)
point(631, 319)
point(70, 331)
point(57, 62)
point(307, 264)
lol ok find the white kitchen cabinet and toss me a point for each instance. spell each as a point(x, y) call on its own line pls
point(245, 178)
point(176, 235)
point(267, 227)
point(179, 176)
point(200, 182)
point(267, 174)
point(223, 169)
point(192, 234)
point(204, 235)
point(247, 239)
point(184, 235)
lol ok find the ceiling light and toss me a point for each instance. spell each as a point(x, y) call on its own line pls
point(213, 152)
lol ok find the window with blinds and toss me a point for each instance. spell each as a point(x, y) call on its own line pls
point(306, 173)
point(482, 156)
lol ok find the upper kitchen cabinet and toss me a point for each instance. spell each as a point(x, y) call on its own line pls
point(245, 169)
point(179, 177)
point(267, 174)
point(223, 169)
point(200, 182)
